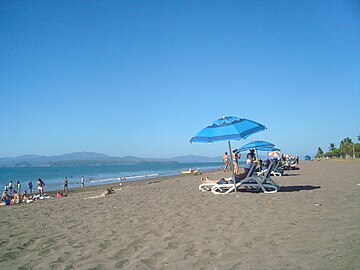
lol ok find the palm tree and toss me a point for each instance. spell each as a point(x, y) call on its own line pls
point(320, 153)
point(345, 142)
point(359, 138)
point(346, 146)
point(332, 147)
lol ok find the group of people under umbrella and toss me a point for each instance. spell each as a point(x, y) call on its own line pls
point(250, 157)
point(230, 128)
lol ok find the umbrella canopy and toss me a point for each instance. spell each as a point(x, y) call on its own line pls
point(274, 154)
point(268, 149)
point(227, 128)
point(257, 145)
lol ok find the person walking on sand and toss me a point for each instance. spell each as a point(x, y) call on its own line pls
point(30, 187)
point(83, 182)
point(226, 162)
point(66, 183)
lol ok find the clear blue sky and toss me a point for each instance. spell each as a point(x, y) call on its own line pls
point(142, 77)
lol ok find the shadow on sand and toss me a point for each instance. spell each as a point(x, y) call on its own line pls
point(297, 188)
point(291, 174)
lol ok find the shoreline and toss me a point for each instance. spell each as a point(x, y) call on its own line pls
point(54, 183)
point(121, 184)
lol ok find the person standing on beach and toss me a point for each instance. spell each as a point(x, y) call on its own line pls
point(250, 157)
point(30, 187)
point(83, 182)
point(236, 161)
point(40, 185)
point(6, 188)
point(66, 183)
point(10, 187)
point(226, 162)
point(18, 184)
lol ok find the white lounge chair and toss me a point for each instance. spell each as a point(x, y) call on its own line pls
point(227, 181)
point(274, 172)
point(254, 182)
point(229, 187)
point(206, 186)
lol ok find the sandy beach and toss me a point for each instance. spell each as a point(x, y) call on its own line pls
point(312, 223)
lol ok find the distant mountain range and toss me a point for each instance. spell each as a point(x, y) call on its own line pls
point(91, 158)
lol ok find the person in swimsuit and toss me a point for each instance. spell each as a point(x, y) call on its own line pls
point(66, 183)
point(83, 182)
point(5, 199)
point(236, 157)
point(238, 178)
point(226, 162)
point(30, 187)
point(10, 187)
point(219, 181)
point(41, 185)
point(16, 198)
point(18, 185)
point(6, 188)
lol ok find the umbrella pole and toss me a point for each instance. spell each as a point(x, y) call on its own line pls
point(232, 165)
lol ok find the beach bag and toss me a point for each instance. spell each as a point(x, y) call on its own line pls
point(59, 195)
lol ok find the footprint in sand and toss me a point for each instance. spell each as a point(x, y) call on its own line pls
point(104, 244)
point(248, 244)
point(120, 264)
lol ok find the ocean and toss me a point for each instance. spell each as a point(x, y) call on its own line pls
point(94, 175)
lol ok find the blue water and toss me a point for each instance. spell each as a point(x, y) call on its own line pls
point(94, 175)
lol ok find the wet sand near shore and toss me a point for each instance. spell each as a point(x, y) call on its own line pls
point(167, 223)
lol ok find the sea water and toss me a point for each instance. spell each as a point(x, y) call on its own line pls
point(53, 176)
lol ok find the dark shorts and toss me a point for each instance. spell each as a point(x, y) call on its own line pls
point(222, 181)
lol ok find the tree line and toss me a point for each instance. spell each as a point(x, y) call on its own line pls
point(347, 148)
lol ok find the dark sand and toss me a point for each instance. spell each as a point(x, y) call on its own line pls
point(313, 223)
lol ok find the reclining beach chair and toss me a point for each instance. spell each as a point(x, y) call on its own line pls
point(229, 187)
point(254, 183)
point(277, 171)
point(290, 165)
point(207, 186)
point(228, 182)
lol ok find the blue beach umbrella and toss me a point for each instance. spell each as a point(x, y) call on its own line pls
point(227, 128)
point(259, 146)
point(268, 149)
point(256, 145)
